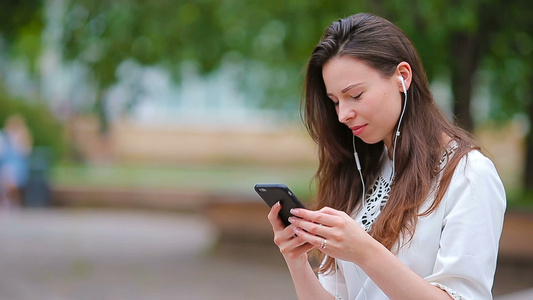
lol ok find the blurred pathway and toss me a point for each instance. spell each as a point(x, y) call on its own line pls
point(60, 254)
point(111, 254)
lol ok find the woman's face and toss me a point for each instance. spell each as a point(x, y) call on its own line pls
point(365, 101)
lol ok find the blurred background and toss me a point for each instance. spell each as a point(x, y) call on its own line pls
point(132, 133)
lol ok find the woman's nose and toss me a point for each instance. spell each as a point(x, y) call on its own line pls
point(345, 112)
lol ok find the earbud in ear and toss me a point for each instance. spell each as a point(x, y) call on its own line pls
point(403, 84)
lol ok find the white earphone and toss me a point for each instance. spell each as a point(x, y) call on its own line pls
point(403, 84)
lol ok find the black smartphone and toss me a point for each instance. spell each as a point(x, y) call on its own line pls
point(274, 192)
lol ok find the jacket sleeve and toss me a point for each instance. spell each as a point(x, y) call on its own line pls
point(334, 282)
point(474, 211)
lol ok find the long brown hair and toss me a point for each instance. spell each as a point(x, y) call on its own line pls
point(382, 46)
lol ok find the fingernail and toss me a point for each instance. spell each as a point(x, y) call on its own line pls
point(291, 219)
point(277, 204)
point(296, 230)
point(295, 211)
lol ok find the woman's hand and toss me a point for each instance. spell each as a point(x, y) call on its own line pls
point(294, 250)
point(290, 245)
point(338, 235)
point(333, 232)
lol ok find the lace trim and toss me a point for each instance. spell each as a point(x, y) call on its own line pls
point(378, 195)
point(376, 200)
point(455, 295)
point(448, 154)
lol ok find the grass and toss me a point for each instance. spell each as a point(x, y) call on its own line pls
point(227, 178)
point(210, 178)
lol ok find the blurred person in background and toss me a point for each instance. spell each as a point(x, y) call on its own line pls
point(15, 147)
point(408, 206)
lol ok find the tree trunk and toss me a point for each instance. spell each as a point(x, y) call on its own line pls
point(101, 112)
point(465, 57)
point(528, 172)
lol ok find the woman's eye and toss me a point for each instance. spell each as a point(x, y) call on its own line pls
point(358, 96)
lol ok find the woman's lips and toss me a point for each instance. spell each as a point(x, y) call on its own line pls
point(357, 130)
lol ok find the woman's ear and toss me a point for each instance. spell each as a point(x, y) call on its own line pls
point(404, 70)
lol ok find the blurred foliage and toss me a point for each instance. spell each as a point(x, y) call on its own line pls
point(458, 40)
point(45, 129)
point(453, 37)
point(511, 60)
point(467, 42)
point(21, 23)
point(275, 34)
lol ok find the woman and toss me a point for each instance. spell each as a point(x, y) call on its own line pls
point(430, 222)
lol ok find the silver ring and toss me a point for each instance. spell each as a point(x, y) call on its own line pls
point(323, 243)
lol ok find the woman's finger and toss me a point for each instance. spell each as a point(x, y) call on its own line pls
point(310, 227)
point(289, 243)
point(331, 211)
point(310, 238)
point(302, 249)
point(274, 219)
point(295, 247)
point(319, 217)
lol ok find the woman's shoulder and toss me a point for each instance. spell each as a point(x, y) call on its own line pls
point(475, 179)
point(477, 162)
point(471, 157)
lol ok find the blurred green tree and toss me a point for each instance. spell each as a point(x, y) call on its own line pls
point(46, 130)
point(21, 24)
point(455, 38)
point(468, 38)
point(511, 64)
point(277, 35)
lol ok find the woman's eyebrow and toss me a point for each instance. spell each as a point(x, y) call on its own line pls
point(351, 86)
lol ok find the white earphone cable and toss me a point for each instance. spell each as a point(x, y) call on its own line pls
point(398, 130)
point(358, 164)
